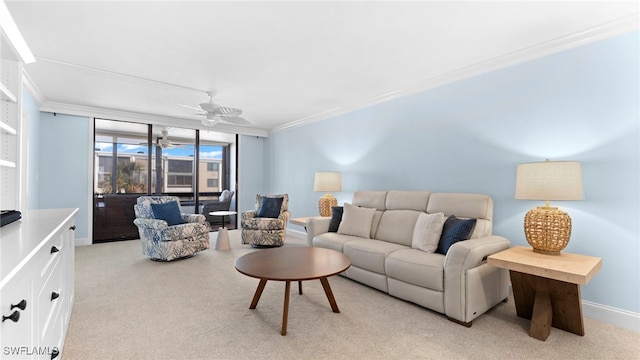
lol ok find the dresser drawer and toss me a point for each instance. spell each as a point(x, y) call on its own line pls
point(50, 298)
point(49, 255)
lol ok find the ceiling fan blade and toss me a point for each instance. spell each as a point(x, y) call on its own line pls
point(236, 120)
point(226, 111)
point(199, 110)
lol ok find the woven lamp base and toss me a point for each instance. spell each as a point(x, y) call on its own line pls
point(547, 229)
point(325, 203)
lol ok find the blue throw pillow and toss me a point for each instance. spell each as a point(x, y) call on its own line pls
point(270, 207)
point(169, 212)
point(336, 218)
point(454, 230)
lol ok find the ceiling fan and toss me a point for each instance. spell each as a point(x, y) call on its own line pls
point(164, 142)
point(216, 113)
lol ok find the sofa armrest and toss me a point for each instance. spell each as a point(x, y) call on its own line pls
point(249, 214)
point(155, 224)
point(284, 216)
point(194, 218)
point(467, 254)
point(316, 226)
point(461, 257)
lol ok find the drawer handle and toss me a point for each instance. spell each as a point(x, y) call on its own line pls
point(54, 295)
point(21, 305)
point(73, 227)
point(54, 249)
point(13, 317)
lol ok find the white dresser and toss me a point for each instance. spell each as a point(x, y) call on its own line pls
point(36, 283)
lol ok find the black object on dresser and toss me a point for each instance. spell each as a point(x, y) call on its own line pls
point(9, 216)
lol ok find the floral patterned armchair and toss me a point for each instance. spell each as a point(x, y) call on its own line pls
point(266, 225)
point(162, 241)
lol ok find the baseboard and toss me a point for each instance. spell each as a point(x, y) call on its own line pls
point(610, 315)
point(297, 233)
point(621, 318)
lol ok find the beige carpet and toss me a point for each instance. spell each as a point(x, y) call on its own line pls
point(129, 307)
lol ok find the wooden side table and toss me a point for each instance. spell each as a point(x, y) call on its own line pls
point(546, 288)
point(301, 221)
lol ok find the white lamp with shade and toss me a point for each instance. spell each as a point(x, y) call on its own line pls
point(546, 228)
point(327, 181)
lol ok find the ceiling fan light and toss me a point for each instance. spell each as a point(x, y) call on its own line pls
point(208, 122)
point(209, 106)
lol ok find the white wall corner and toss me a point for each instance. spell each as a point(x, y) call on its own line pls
point(33, 89)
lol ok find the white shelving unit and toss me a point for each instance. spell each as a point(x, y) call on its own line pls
point(11, 161)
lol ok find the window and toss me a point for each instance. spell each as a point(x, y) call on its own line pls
point(121, 162)
point(212, 183)
point(212, 166)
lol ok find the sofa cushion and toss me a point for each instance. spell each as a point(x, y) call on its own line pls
point(417, 268)
point(270, 207)
point(397, 226)
point(169, 212)
point(336, 218)
point(333, 241)
point(407, 200)
point(427, 232)
point(356, 221)
point(369, 254)
point(370, 199)
point(454, 230)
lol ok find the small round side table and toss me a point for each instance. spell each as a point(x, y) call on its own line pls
point(222, 243)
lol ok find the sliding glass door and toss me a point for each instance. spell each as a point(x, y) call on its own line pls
point(132, 159)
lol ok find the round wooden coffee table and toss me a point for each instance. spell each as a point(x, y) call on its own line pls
point(293, 264)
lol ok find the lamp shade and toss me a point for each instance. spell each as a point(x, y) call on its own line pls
point(549, 180)
point(327, 181)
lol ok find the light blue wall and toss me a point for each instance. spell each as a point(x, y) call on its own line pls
point(469, 136)
point(250, 171)
point(30, 106)
point(64, 166)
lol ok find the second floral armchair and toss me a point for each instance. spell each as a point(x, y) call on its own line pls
point(266, 225)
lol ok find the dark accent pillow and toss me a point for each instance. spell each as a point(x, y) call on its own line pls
point(169, 212)
point(270, 207)
point(454, 230)
point(336, 217)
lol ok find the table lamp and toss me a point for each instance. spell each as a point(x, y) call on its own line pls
point(327, 181)
point(546, 228)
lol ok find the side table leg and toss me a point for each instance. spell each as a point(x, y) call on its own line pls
point(542, 313)
point(222, 242)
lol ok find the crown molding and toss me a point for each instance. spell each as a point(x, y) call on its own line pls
point(590, 35)
point(113, 114)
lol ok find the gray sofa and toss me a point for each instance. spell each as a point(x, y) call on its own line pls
point(460, 284)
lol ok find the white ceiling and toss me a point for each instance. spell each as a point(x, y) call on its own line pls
point(283, 63)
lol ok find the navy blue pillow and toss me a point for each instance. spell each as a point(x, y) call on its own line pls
point(270, 207)
point(454, 230)
point(336, 218)
point(169, 212)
